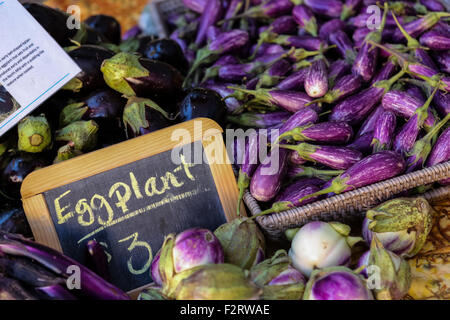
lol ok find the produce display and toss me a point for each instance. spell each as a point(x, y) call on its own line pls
point(346, 105)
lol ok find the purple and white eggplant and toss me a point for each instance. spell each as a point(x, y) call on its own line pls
point(295, 81)
point(330, 8)
point(435, 40)
point(305, 19)
point(210, 15)
point(344, 87)
point(327, 28)
point(316, 81)
point(324, 132)
point(343, 44)
point(260, 120)
point(384, 131)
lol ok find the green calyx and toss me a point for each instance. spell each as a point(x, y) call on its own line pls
point(290, 233)
point(260, 94)
point(295, 134)
point(74, 85)
point(130, 45)
point(386, 84)
point(300, 54)
point(67, 152)
point(344, 230)
point(311, 172)
point(203, 56)
point(120, 67)
point(311, 27)
point(151, 293)
point(422, 112)
point(430, 19)
point(165, 265)
point(243, 184)
point(303, 149)
point(395, 273)
point(34, 134)
point(403, 214)
point(378, 146)
point(300, 65)
point(82, 133)
point(330, 97)
point(347, 12)
point(338, 185)
point(71, 113)
point(375, 36)
point(412, 43)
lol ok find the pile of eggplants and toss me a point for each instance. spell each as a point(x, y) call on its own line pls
point(353, 105)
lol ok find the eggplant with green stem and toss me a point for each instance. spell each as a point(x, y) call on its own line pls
point(211, 14)
point(305, 19)
point(259, 120)
point(329, 8)
point(344, 86)
point(417, 27)
point(440, 152)
point(301, 171)
point(343, 44)
point(324, 132)
point(384, 131)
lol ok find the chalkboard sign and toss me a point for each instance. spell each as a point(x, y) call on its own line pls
point(129, 196)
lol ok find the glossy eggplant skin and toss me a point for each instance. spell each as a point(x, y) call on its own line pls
point(203, 103)
point(165, 50)
point(90, 58)
point(13, 219)
point(108, 26)
point(6, 102)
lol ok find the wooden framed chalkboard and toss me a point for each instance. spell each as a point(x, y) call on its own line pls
point(130, 195)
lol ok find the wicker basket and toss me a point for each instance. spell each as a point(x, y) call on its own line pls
point(349, 206)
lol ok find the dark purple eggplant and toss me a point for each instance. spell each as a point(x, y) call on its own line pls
point(356, 107)
point(433, 5)
point(316, 81)
point(108, 26)
point(259, 120)
point(97, 259)
point(374, 168)
point(435, 40)
point(142, 116)
point(441, 149)
point(273, 75)
point(324, 132)
point(295, 81)
point(266, 49)
point(267, 9)
point(337, 69)
point(289, 197)
point(266, 181)
point(443, 60)
point(442, 103)
point(291, 101)
point(419, 153)
point(89, 59)
point(385, 72)
point(195, 5)
point(416, 92)
point(300, 118)
point(329, 8)
point(405, 105)
point(165, 50)
point(384, 131)
point(363, 143)
point(7, 103)
point(212, 13)
point(305, 19)
point(339, 158)
point(304, 42)
point(350, 8)
point(222, 89)
point(329, 27)
point(424, 58)
point(134, 76)
point(203, 103)
point(345, 86)
point(92, 285)
point(344, 45)
point(371, 121)
point(417, 27)
point(13, 218)
point(239, 72)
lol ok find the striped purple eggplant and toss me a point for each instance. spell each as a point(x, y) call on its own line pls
point(213, 71)
point(440, 152)
point(295, 159)
point(211, 14)
point(316, 81)
point(329, 27)
point(295, 81)
point(226, 42)
point(385, 72)
point(442, 103)
point(363, 143)
point(345, 86)
point(238, 72)
point(267, 9)
point(360, 34)
point(305, 19)
point(442, 27)
point(339, 158)
point(371, 121)
point(343, 44)
point(300, 118)
point(260, 120)
point(417, 27)
point(424, 58)
point(443, 60)
point(304, 42)
point(350, 8)
point(405, 105)
point(415, 91)
point(289, 197)
point(433, 5)
point(435, 40)
point(266, 181)
point(419, 153)
point(273, 75)
point(355, 108)
point(212, 33)
point(384, 131)
point(195, 5)
point(234, 7)
point(329, 8)
point(291, 101)
point(311, 172)
point(92, 285)
point(324, 132)
point(337, 69)
point(372, 169)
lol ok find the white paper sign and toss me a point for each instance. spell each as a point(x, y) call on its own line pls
point(32, 64)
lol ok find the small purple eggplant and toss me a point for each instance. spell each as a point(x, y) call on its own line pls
point(295, 159)
point(339, 158)
point(386, 71)
point(424, 58)
point(360, 34)
point(260, 120)
point(363, 143)
point(329, 27)
point(305, 19)
point(345, 86)
point(266, 181)
point(212, 33)
point(289, 197)
point(443, 60)
point(213, 71)
point(374, 168)
point(316, 81)
point(324, 132)
point(344, 45)
point(195, 5)
point(384, 131)
point(291, 101)
point(267, 9)
point(405, 105)
point(356, 107)
point(337, 69)
point(304, 42)
point(329, 8)
point(433, 5)
point(295, 81)
point(233, 9)
point(56, 292)
point(442, 103)
point(417, 27)
point(350, 8)
point(422, 148)
point(300, 118)
point(273, 75)
point(371, 121)
point(210, 15)
point(405, 139)
point(435, 40)
point(239, 72)
point(441, 149)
